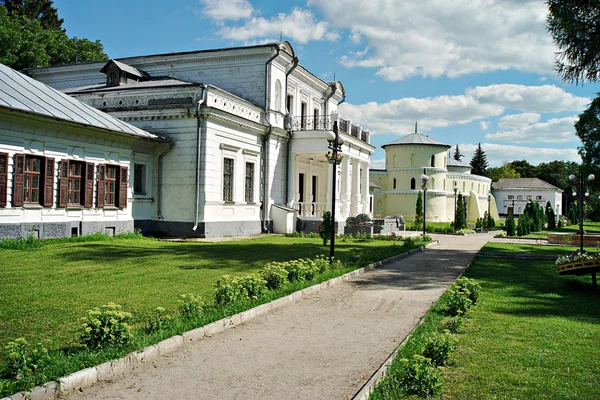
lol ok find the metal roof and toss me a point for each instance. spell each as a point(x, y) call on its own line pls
point(151, 84)
point(451, 162)
point(22, 93)
point(416, 138)
point(124, 67)
point(523, 184)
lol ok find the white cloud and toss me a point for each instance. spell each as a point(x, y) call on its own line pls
point(299, 25)
point(479, 103)
point(484, 125)
point(556, 130)
point(496, 154)
point(440, 37)
point(219, 10)
point(377, 164)
point(516, 121)
point(543, 79)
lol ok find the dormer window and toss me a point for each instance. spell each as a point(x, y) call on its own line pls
point(118, 73)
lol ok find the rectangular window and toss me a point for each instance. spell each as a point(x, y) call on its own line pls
point(33, 172)
point(74, 181)
point(510, 197)
point(289, 104)
point(110, 185)
point(519, 197)
point(139, 179)
point(249, 182)
point(227, 179)
point(538, 197)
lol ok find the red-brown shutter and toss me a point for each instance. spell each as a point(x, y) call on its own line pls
point(123, 188)
point(3, 178)
point(101, 171)
point(88, 197)
point(18, 180)
point(63, 185)
point(49, 183)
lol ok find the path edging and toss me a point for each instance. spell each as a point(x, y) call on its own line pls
point(85, 378)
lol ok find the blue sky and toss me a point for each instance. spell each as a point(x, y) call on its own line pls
point(469, 71)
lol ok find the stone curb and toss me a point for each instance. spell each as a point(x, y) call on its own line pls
point(518, 256)
point(369, 387)
point(80, 380)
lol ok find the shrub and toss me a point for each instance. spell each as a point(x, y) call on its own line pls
point(409, 242)
point(296, 271)
point(105, 326)
point(457, 302)
point(469, 285)
point(452, 324)
point(419, 376)
point(439, 347)
point(322, 263)
point(158, 321)
point(325, 227)
point(24, 361)
point(425, 238)
point(275, 275)
point(229, 290)
point(190, 305)
point(254, 285)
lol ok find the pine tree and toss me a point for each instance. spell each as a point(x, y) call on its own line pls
point(573, 214)
point(457, 156)
point(510, 224)
point(460, 222)
point(418, 221)
point(479, 162)
point(550, 216)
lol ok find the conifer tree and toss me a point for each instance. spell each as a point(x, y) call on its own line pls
point(510, 224)
point(461, 220)
point(418, 221)
point(457, 156)
point(573, 214)
point(550, 216)
point(479, 162)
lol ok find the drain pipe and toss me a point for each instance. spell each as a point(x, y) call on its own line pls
point(199, 139)
point(266, 145)
point(343, 99)
point(171, 143)
point(288, 145)
point(330, 95)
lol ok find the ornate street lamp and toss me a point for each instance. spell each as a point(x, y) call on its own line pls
point(424, 179)
point(579, 182)
point(455, 192)
point(334, 158)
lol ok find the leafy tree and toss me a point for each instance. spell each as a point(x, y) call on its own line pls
point(505, 171)
point(41, 10)
point(457, 156)
point(588, 130)
point(25, 43)
point(510, 224)
point(479, 162)
point(325, 227)
point(573, 25)
point(418, 221)
point(523, 168)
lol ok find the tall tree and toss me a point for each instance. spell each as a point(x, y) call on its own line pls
point(523, 168)
point(575, 29)
point(41, 10)
point(418, 221)
point(479, 162)
point(457, 156)
point(505, 171)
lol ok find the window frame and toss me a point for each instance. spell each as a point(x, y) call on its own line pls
point(228, 179)
point(144, 179)
point(249, 195)
point(31, 174)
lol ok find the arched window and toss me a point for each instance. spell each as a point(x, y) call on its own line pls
point(413, 184)
point(394, 183)
point(277, 95)
point(433, 161)
point(412, 160)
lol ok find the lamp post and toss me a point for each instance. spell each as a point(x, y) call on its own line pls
point(335, 145)
point(455, 192)
point(424, 179)
point(580, 188)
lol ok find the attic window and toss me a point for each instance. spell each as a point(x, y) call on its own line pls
point(112, 77)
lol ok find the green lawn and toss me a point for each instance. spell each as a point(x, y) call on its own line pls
point(589, 227)
point(500, 247)
point(535, 334)
point(45, 291)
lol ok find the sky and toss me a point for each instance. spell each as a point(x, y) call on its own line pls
point(469, 71)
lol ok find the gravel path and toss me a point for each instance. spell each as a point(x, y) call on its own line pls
point(323, 346)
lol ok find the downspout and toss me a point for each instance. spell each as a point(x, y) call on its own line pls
point(171, 143)
point(330, 95)
point(266, 146)
point(199, 139)
point(343, 99)
point(288, 144)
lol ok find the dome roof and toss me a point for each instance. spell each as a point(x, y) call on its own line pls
point(416, 138)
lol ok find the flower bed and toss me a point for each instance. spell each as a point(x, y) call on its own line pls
point(578, 263)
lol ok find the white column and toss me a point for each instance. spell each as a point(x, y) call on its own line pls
point(365, 188)
point(345, 188)
point(291, 189)
point(355, 196)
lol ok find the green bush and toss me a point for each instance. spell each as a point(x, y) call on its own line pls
point(457, 302)
point(105, 326)
point(158, 321)
point(254, 285)
point(229, 290)
point(24, 361)
point(322, 263)
point(451, 324)
point(296, 271)
point(190, 305)
point(439, 347)
point(275, 275)
point(418, 376)
point(470, 286)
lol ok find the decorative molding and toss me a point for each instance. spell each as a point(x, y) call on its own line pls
point(251, 152)
point(233, 106)
point(225, 146)
point(138, 100)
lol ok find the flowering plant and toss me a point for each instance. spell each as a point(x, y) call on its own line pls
point(337, 156)
point(577, 256)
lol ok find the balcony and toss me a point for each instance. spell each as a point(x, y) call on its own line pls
point(325, 123)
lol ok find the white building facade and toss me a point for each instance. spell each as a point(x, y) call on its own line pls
point(513, 194)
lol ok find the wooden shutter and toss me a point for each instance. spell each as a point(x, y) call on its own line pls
point(100, 191)
point(49, 183)
point(18, 180)
point(63, 185)
point(123, 188)
point(3, 178)
point(88, 197)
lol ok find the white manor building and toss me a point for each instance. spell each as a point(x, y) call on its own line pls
point(513, 194)
point(399, 184)
point(233, 143)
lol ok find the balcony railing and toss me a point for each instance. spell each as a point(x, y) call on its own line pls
point(324, 123)
point(309, 209)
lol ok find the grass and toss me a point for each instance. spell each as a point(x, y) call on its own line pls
point(588, 227)
point(534, 334)
point(501, 247)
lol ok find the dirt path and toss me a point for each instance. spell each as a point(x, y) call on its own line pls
point(324, 346)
